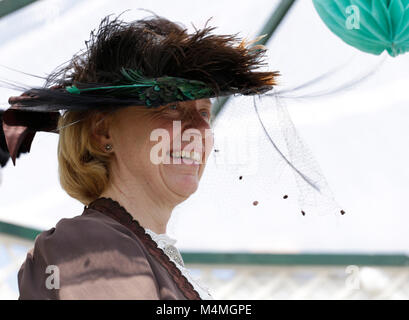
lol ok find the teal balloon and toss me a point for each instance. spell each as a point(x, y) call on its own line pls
point(371, 26)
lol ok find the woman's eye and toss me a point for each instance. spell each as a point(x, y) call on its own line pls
point(205, 114)
point(173, 107)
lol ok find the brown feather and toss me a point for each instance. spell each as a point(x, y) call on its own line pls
point(158, 47)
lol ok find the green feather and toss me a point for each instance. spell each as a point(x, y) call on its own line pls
point(155, 91)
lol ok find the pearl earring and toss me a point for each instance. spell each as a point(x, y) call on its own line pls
point(108, 147)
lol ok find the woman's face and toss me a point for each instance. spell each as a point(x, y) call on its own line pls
point(153, 147)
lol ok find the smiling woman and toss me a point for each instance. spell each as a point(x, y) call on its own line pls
point(135, 134)
point(88, 169)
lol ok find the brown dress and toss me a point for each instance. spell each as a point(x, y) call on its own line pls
point(102, 254)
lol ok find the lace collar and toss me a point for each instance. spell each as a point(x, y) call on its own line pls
point(161, 238)
point(167, 244)
point(114, 210)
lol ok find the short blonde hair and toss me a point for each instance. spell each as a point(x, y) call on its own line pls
point(83, 167)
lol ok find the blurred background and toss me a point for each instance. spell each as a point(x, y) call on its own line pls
point(359, 138)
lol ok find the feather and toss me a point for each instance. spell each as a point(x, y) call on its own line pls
point(157, 91)
point(156, 47)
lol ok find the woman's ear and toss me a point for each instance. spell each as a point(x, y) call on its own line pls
point(100, 130)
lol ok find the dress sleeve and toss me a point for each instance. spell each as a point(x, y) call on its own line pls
point(83, 258)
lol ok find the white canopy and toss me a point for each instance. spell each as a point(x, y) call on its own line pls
point(358, 137)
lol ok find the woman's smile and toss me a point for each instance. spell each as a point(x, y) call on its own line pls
point(191, 158)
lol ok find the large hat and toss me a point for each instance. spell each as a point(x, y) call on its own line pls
point(152, 62)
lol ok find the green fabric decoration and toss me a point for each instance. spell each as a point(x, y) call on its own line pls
point(164, 89)
point(369, 25)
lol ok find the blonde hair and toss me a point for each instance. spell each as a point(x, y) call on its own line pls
point(82, 165)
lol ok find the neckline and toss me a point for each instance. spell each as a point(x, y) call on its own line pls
point(160, 237)
point(113, 209)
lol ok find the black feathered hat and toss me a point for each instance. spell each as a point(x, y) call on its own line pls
point(148, 62)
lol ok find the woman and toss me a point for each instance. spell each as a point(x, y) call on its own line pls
point(133, 103)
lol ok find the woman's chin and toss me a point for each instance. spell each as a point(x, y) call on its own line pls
point(183, 185)
point(188, 185)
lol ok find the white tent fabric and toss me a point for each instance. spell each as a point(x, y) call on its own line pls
point(358, 137)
